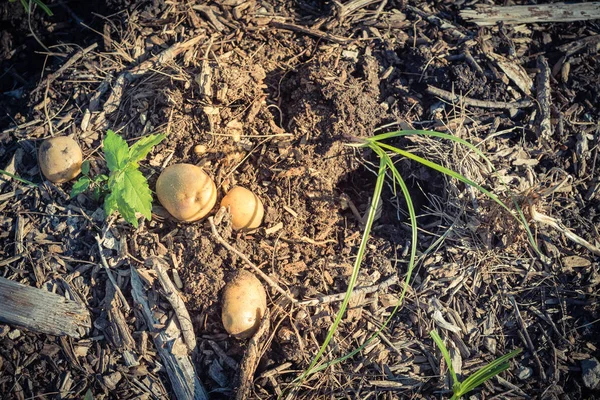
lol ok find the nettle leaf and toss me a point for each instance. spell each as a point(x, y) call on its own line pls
point(140, 149)
point(110, 204)
point(80, 186)
point(116, 200)
point(116, 151)
point(126, 211)
point(85, 167)
point(136, 191)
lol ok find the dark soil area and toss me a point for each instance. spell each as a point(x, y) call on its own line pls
point(268, 98)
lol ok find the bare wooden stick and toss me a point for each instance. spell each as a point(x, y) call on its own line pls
point(312, 32)
point(392, 280)
point(544, 99)
point(41, 311)
point(241, 255)
point(179, 367)
point(173, 297)
point(110, 275)
point(557, 12)
point(556, 224)
point(476, 103)
point(245, 378)
point(437, 21)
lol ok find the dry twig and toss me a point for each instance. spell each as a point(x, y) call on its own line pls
point(245, 378)
point(556, 224)
point(476, 103)
point(179, 367)
point(173, 297)
point(532, 14)
point(110, 275)
point(392, 280)
point(264, 276)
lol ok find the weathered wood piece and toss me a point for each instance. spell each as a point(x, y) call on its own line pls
point(41, 311)
point(244, 379)
point(172, 295)
point(544, 99)
point(168, 341)
point(449, 96)
point(531, 14)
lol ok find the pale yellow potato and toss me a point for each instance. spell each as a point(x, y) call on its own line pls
point(244, 304)
point(246, 209)
point(186, 191)
point(60, 159)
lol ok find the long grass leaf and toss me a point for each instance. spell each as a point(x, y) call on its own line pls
point(520, 215)
point(440, 344)
point(25, 181)
point(354, 277)
point(411, 263)
point(488, 371)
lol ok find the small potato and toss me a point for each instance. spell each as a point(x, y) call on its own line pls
point(245, 207)
point(60, 159)
point(244, 304)
point(186, 191)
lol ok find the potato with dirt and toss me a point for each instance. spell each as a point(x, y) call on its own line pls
point(186, 191)
point(246, 209)
point(60, 159)
point(244, 304)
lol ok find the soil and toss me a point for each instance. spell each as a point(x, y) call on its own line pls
point(276, 116)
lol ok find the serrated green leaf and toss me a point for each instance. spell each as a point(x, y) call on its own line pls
point(80, 186)
point(85, 167)
point(116, 151)
point(126, 211)
point(100, 178)
point(140, 149)
point(110, 204)
point(97, 193)
point(116, 202)
point(136, 191)
point(88, 395)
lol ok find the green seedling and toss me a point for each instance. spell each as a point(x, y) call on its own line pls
point(25, 181)
point(27, 5)
point(387, 167)
point(125, 189)
point(476, 379)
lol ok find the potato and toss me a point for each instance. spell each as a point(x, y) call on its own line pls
point(245, 207)
point(60, 159)
point(186, 191)
point(244, 304)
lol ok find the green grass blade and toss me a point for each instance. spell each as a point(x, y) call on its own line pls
point(445, 171)
point(440, 344)
point(353, 278)
point(520, 216)
point(44, 7)
point(487, 372)
point(413, 252)
point(25, 181)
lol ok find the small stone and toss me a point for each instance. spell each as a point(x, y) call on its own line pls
point(590, 369)
point(490, 344)
point(15, 333)
point(524, 373)
point(4, 329)
point(351, 55)
point(112, 380)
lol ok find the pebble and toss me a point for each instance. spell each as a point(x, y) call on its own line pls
point(524, 373)
point(590, 370)
point(15, 333)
